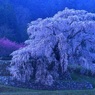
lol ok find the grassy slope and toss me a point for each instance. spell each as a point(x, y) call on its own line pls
point(16, 91)
point(6, 90)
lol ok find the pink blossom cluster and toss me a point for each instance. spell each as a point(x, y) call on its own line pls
point(7, 47)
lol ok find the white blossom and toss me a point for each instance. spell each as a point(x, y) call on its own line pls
point(54, 42)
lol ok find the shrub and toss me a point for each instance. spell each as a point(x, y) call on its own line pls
point(7, 47)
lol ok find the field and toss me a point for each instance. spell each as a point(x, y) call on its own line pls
point(7, 90)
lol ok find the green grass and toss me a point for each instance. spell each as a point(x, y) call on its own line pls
point(78, 77)
point(20, 91)
point(7, 90)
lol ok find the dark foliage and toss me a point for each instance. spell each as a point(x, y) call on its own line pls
point(7, 47)
point(16, 14)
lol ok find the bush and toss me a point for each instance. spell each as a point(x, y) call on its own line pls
point(7, 47)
